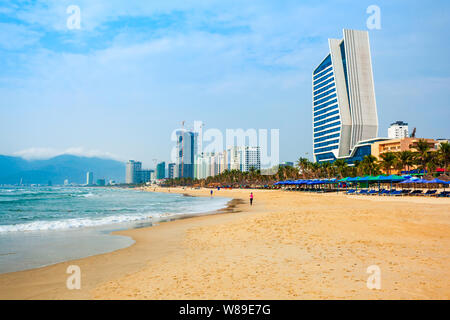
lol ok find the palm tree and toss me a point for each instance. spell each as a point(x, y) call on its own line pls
point(281, 173)
point(444, 154)
point(326, 169)
point(304, 165)
point(387, 161)
point(369, 165)
point(341, 166)
point(422, 154)
point(404, 159)
point(315, 169)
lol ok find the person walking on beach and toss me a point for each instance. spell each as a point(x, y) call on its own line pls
point(211, 192)
point(251, 198)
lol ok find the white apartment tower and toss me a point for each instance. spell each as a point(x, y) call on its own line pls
point(133, 172)
point(251, 158)
point(398, 130)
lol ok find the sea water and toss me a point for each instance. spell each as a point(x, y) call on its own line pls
point(46, 225)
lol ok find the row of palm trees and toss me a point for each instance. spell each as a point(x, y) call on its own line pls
point(423, 159)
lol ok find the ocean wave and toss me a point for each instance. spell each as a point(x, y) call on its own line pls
point(87, 195)
point(102, 211)
point(75, 223)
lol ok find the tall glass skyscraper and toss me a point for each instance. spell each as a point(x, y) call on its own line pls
point(187, 146)
point(161, 170)
point(344, 105)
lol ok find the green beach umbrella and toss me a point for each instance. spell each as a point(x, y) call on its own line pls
point(396, 178)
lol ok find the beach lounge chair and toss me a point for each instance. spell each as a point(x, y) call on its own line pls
point(430, 193)
point(444, 194)
point(372, 192)
point(406, 192)
point(351, 191)
point(416, 193)
point(363, 191)
point(395, 193)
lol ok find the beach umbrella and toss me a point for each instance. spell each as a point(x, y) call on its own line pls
point(437, 181)
point(379, 179)
point(366, 179)
point(396, 178)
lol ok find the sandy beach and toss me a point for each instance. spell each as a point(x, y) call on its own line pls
point(288, 245)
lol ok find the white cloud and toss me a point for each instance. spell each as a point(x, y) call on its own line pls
point(36, 153)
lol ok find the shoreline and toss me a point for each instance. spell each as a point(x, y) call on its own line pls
point(14, 285)
point(86, 241)
point(286, 246)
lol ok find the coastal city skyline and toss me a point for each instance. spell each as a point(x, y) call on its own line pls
point(231, 159)
point(274, 67)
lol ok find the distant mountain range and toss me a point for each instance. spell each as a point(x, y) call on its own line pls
point(57, 169)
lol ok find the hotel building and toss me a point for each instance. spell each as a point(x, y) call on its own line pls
point(133, 172)
point(186, 151)
point(398, 130)
point(171, 170)
point(241, 158)
point(398, 145)
point(146, 175)
point(161, 170)
point(251, 158)
point(345, 121)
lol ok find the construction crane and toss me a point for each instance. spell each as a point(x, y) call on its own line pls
point(413, 134)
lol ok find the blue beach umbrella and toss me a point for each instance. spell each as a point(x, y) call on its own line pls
point(438, 181)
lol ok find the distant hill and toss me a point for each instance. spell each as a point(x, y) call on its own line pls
point(57, 169)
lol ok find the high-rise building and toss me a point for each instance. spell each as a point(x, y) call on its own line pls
point(398, 130)
point(251, 158)
point(344, 105)
point(161, 170)
point(146, 175)
point(133, 172)
point(234, 158)
point(171, 170)
point(101, 182)
point(89, 178)
point(185, 153)
point(207, 164)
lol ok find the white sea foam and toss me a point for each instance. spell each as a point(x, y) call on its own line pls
point(88, 195)
point(64, 224)
point(72, 223)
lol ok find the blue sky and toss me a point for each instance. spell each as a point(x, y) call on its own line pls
point(122, 83)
